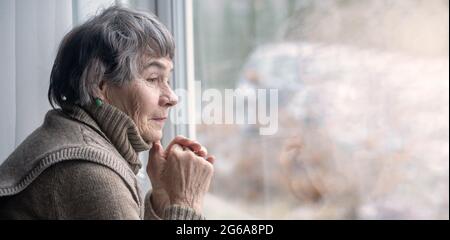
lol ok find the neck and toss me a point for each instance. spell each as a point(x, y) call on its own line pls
point(121, 131)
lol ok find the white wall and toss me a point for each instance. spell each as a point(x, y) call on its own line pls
point(31, 31)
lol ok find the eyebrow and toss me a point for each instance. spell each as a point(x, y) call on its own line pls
point(156, 64)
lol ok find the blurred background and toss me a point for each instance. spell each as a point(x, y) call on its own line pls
point(363, 99)
point(363, 107)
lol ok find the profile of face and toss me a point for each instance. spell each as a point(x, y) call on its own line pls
point(146, 99)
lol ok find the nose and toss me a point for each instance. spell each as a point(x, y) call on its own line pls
point(168, 98)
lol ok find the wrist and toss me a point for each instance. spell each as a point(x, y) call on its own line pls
point(159, 201)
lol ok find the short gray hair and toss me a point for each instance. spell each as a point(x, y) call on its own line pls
point(110, 46)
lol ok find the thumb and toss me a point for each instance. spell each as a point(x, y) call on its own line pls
point(155, 155)
point(156, 148)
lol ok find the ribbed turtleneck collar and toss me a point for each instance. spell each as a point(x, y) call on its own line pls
point(118, 127)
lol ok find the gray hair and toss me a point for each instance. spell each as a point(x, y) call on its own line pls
point(110, 46)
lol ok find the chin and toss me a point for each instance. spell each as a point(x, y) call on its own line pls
point(153, 136)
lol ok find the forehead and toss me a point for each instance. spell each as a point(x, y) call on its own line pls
point(163, 63)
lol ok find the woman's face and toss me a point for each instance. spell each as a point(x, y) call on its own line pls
point(147, 100)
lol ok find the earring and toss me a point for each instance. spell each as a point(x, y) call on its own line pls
point(98, 102)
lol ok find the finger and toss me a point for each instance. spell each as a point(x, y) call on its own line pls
point(186, 142)
point(202, 152)
point(156, 149)
point(155, 156)
point(197, 148)
point(181, 140)
point(193, 145)
point(176, 148)
point(156, 152)
point(211, 159)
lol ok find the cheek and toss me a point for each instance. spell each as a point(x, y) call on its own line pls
point(145, 101)
point(148, 100)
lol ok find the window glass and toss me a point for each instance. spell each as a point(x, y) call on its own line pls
point(362, 110)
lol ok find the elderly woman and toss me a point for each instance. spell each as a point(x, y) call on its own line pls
point(111, 82)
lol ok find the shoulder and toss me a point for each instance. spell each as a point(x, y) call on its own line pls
point(80, 172)
point(87, 190)
point(58, 140)
point(74, 189)
point(77, 176)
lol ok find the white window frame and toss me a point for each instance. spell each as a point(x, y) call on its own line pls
point(177, 16)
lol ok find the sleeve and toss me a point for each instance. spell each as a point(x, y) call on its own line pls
point(150, 213)
point(172, 212)
point(86, 190)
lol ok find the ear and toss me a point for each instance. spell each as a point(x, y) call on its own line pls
point(101, 90)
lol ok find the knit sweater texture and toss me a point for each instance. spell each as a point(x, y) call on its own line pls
point(81, 163)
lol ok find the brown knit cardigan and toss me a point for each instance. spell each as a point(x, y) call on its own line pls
point(80, 164)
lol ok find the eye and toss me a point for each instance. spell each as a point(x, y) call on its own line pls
point(152, 80)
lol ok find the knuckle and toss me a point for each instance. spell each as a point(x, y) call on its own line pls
point(191, 155)
point(207, 166)
point(174, 152)
point(179, 138)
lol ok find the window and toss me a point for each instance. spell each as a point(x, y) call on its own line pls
point(360, 127)
point(362, 107)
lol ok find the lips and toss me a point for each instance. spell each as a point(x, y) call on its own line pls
point(159, 120)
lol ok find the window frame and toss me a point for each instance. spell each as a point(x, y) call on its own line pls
point(177, 16)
